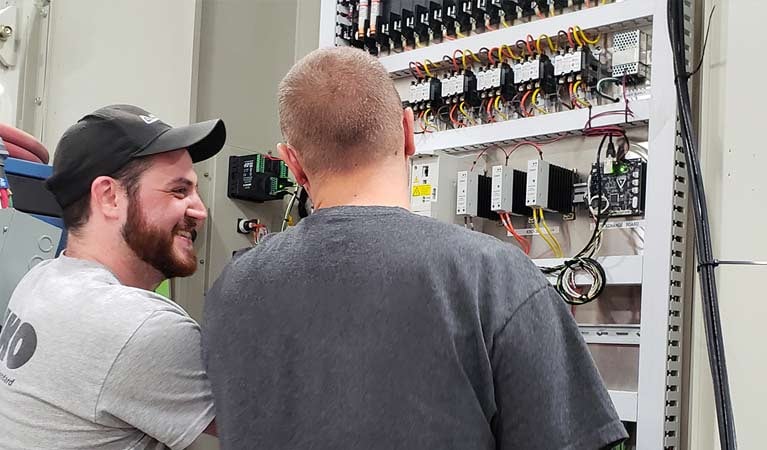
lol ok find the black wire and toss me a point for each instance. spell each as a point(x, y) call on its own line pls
point(707, 274)
point(705, 44)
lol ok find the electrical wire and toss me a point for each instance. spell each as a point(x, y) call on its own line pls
point(417, 74)
point(602, 94)
point(584, 259)
point(705, 253)
point(506, 221)
point(286, 217)
point(552, 47)
point(584, 103)
point(585, 38)
point(546, 236)
point(534, 101)
point(522, 103)
point(462, 108)
point(426, 63)
point(497, 106)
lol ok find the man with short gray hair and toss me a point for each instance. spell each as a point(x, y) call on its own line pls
point(369, 327)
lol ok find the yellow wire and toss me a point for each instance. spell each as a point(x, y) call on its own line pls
point(500, 54)
point(497, 104)
point(511, 52)
point(534, 101)
point(473, 56)
point(552, 46)
point(578, 99)
point(578, 29)
point(466, 114)
point(541, 233)
point(426, 63)
point(577, 39)
point(505, 24)
point(426, 117)
point(558, 251)
point(463, 60)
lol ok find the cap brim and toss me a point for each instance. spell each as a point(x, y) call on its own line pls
point(203, 140)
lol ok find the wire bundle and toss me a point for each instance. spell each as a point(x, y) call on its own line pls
point(706, 266)
point(584, 260)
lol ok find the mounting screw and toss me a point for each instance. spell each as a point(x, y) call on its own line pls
point(5, 229)
point(38, 101)
point(206, 175)
point(202, 262)
point(5, 32)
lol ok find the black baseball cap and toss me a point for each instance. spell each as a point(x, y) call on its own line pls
point(104, 141)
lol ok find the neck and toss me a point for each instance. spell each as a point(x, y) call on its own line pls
point(118, 258)
point(369, 187)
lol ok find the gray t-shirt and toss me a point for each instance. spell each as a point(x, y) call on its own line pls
point(87, 363)
point(375, 328)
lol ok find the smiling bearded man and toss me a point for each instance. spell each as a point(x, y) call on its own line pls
point(94, 359)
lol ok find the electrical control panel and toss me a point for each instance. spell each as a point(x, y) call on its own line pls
point(257, 178)
point(557, 76)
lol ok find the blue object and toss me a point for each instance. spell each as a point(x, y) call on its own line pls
point(28, 169)
point(37, 171)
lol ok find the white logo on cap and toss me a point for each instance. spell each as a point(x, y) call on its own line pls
point(150, 119)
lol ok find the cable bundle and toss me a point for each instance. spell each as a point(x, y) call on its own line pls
point(705, 253)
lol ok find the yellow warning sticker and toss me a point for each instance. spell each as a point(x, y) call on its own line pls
point(423, 190)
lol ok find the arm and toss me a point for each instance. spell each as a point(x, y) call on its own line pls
point(548, 392)
point(157, 383)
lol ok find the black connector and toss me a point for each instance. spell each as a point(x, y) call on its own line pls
point(548, 81)
point(470, 94)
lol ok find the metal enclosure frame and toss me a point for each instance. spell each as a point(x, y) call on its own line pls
point(657, 404)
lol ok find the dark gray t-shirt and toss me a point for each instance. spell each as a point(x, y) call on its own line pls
point(375, 328)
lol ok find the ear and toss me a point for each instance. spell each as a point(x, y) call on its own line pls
point(290, 157)
point(107, 197)
point(408, 126)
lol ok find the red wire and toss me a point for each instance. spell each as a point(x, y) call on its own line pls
point(454, 58)
point(268, 156)
point(530, 41)
point(506, 220)
point(532, 144)
point(4, 203)
point(489, 109)
point(522, 103)
point(490, 55)
point(452, 119)
point(417, 69)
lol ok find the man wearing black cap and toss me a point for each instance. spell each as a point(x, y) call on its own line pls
point(90, 357)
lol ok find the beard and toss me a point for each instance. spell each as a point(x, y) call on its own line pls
point(155, 246)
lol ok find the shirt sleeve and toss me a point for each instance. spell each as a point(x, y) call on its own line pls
point(548, 392)
point(157, 383)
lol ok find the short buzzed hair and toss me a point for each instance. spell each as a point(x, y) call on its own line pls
point(339, 109)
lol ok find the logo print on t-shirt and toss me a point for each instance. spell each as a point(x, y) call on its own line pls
point(18, 342)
